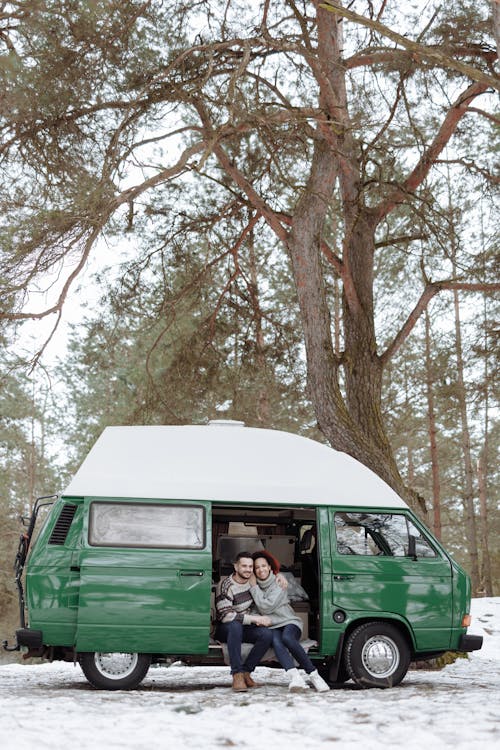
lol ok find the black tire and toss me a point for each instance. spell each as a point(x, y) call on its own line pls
point(114, 671)
point(377, 655)
point(342, 674)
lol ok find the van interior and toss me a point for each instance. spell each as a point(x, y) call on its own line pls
point(287, 533)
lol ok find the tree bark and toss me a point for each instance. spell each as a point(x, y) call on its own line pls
point(468, 496)
point(263, 406)
point(486, 577)
point(495, 7)
point(431, 414)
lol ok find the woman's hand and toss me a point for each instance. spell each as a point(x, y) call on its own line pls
point(281, 581)
point(262, 620)
point(252, 580)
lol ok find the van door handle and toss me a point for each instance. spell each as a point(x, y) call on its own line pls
point(197, 573)
point(343, 578)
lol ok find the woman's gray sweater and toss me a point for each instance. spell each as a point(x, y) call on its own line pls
point(270, 599)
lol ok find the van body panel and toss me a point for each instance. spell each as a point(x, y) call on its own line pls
point(53, 603)
point(149, 607)
point(391, 588)
point(52, 579)
point(461, 595)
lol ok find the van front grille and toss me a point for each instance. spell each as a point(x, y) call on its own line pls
point(63, 523)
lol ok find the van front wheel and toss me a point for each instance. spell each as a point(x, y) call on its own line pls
point(377, 655)
point(114, 671)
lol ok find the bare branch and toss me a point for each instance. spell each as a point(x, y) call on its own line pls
point(163, 176)
point(239, 178)
point(483, 113)
point(57, 307)
point(237, 271)
point(404, 238)
point(377, 55)
point(430, 155)
point(432, 55)
point(429, 292)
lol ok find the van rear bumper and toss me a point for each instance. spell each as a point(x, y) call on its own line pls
point(32, 639)
point(470, 642)
point(29, 638)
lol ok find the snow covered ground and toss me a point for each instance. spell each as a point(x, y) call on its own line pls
point(53, 706)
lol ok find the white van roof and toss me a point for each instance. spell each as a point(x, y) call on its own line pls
point(225, 461)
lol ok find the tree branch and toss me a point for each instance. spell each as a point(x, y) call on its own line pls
point(428, 158)
point(429, 292)
point(483, 113)
point(404, 238)
point(239, 178)
point(432, 55)
point(374, 55)
point(234, 251)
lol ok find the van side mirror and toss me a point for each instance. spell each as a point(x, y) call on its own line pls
point(412, 546)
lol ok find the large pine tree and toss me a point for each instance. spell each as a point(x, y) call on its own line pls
point(325, 126)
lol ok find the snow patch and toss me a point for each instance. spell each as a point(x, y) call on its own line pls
point(51, 706)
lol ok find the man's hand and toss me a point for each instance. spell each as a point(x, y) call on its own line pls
point(281, 581)
point(262, 620)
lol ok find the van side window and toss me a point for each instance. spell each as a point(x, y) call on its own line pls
point(146, 525)
point(379, 534)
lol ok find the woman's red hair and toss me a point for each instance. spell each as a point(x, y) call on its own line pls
point(271, 560)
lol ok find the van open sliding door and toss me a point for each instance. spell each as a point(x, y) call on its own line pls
point(145, 576)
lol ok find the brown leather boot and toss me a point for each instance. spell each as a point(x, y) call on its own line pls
point(239, 684)
point(249, 682)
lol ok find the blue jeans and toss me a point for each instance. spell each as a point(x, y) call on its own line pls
point(234, 634)
point(286, 644)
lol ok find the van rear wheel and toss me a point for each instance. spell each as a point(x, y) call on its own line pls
point(377, 655)
point(114, 671)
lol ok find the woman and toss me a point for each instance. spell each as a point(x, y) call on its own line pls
point(270, 599)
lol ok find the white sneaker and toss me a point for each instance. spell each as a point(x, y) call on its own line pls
point(318, 682)
point(296, 681)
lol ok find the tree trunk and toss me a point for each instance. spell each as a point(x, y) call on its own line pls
point(486, 577)
point(495, 7)
point(337, 320)
point(352, 424)
point(348, 409)
point(263, 406)
point(362, 366)
point(468, 498)
point(436, 488)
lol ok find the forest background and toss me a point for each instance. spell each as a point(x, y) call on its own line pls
point(291, 207)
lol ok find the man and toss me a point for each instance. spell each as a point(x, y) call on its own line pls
point(236, 625)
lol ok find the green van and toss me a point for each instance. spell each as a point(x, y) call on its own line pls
point(123, 570)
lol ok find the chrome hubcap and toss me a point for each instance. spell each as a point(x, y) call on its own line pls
point(380, 656)
point(115, 666)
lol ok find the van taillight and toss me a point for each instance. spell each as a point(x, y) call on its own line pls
point(466, 621)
